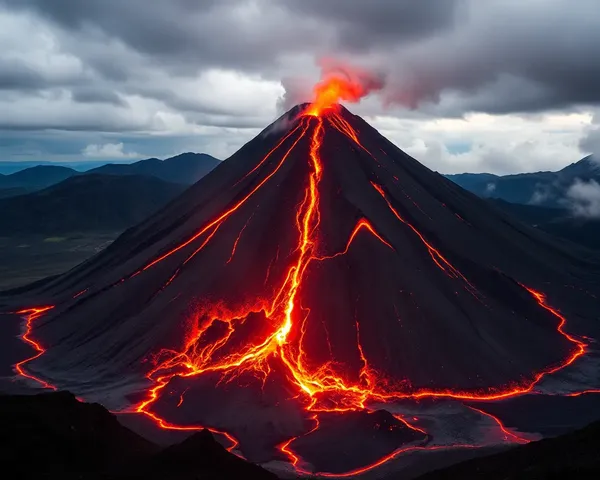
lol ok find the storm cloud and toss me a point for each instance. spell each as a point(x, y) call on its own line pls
point(186, 67)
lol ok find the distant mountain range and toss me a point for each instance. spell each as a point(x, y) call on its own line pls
point(34, 178)
point(185, 169)
point(541, 188)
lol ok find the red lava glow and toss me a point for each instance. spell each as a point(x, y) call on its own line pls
point(508, 435)
point(330, 91)
point(32, 314)
point(341, 83)
point(321, 388)
point(584, 392)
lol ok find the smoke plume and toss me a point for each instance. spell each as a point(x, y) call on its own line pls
point(353, 82)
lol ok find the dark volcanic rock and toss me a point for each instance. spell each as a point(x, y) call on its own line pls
point(54, 432)
point(571, 456)
point(202, 454)
point(55, 436)
point(354, 440)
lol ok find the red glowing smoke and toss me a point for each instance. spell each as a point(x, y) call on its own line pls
point(340, 82)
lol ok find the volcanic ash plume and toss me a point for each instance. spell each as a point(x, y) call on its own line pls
point(340, 82)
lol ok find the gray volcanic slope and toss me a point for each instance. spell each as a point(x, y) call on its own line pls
point(438, 295)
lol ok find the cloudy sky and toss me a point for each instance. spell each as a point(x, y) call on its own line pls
point(469, 85)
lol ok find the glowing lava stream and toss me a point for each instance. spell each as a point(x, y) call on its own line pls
point(32, 314)
point(325, 389)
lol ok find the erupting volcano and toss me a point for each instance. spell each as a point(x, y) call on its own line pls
point(314, 283)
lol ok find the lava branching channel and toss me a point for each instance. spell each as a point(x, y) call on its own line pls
point(322, 387)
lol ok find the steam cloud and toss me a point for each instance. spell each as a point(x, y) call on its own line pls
point(392, 87)
point(362, 81)
point(584, 198)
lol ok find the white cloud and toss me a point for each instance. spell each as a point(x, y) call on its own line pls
point(540, 195)
point(108, 150)
point(499, 144)
point(584, 198)
point(209, 103)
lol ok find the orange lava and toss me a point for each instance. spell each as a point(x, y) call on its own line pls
point(32, 314)
point(209, 346)
point(508, 435)
point(583, 392)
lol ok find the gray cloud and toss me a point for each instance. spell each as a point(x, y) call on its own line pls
point(97, 95)
point(584, 198)
point(360, 25)
point(136, 65)
point(444, 56)
point(590, 142)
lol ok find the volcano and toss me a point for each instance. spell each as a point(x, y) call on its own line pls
point(318, 274)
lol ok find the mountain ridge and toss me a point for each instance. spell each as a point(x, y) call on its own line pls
point(91, 202)
point(185, 168)
point(544, 188)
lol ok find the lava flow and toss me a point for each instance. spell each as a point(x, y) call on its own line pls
point(283, 343)
point(325, 389)
point(30, 315)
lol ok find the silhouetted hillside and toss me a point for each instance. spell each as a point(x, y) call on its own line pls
point(186, 168)
point(53, 435)
point(571, 456)
point(36, 178)
point(86, 203)
point(12, 192)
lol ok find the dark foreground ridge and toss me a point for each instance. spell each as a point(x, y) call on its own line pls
point(572, 456)
point(55, 436)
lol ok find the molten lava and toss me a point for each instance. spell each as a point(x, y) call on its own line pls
point(321, 387)
point(32, 314)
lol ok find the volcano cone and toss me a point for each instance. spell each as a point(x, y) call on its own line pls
point(319, 269)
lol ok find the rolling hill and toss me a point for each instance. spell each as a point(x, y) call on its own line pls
point(90, 202)
point(186, 168)
point(35, 178)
